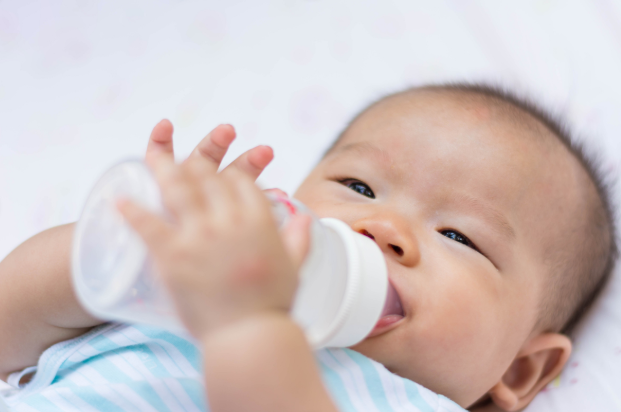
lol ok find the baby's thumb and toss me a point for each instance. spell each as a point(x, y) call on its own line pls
point(296, 237)
point(153, 230)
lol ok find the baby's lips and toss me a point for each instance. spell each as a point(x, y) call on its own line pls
point(391, 314)
point(393, 304)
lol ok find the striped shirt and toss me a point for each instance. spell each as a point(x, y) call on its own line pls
point(123, 368)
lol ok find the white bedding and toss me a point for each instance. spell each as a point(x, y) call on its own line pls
point(592, 379)
point(83, 83)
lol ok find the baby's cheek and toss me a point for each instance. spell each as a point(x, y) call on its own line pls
point(458, 340)
point(459, 314)
point(462, 319)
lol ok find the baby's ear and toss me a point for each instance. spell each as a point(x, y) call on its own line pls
point(539, 361)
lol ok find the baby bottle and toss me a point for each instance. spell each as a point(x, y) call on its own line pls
point(341, 292)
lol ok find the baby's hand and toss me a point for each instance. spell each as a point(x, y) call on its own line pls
point(222, 258)
point(211, 149)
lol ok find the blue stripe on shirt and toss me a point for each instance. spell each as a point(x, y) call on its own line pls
point(161, 369)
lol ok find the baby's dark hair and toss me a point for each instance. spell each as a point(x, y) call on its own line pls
point(578, 275)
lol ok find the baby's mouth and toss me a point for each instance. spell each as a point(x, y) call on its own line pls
point(392, 312)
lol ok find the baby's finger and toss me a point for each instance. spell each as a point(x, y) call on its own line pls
point(245, 190)
point(277, 192)
point(153, 229)
point(181, 193)
point(253, 162)
point(211, 150)
point(220, 199)
point(160, 142)
point(296, 237)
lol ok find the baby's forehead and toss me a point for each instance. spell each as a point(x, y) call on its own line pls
point(434, 119)
point(446, 109)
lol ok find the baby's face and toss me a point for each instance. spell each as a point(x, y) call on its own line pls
point(463, 208)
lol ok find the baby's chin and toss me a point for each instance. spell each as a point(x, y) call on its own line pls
point(387, 348)
point(382, 344)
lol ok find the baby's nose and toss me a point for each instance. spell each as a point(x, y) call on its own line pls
point(393, 239)
point(398, 250)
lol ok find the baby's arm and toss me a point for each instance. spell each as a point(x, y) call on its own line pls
point(263, 363)
point(37, 304)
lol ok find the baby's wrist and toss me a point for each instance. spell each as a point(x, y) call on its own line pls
point(262, 327)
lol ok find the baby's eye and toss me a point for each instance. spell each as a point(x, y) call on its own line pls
point(358, 186)
point(458, 237)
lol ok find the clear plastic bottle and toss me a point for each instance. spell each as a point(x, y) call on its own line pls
point(343, 280)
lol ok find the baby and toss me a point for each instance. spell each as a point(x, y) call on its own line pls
point(497, 234)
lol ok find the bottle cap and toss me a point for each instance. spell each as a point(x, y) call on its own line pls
point(364, 294)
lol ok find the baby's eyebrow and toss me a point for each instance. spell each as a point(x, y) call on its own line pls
point(363, 148)
point(500, 223)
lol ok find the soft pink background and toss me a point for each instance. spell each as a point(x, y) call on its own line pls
point(82, 83)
